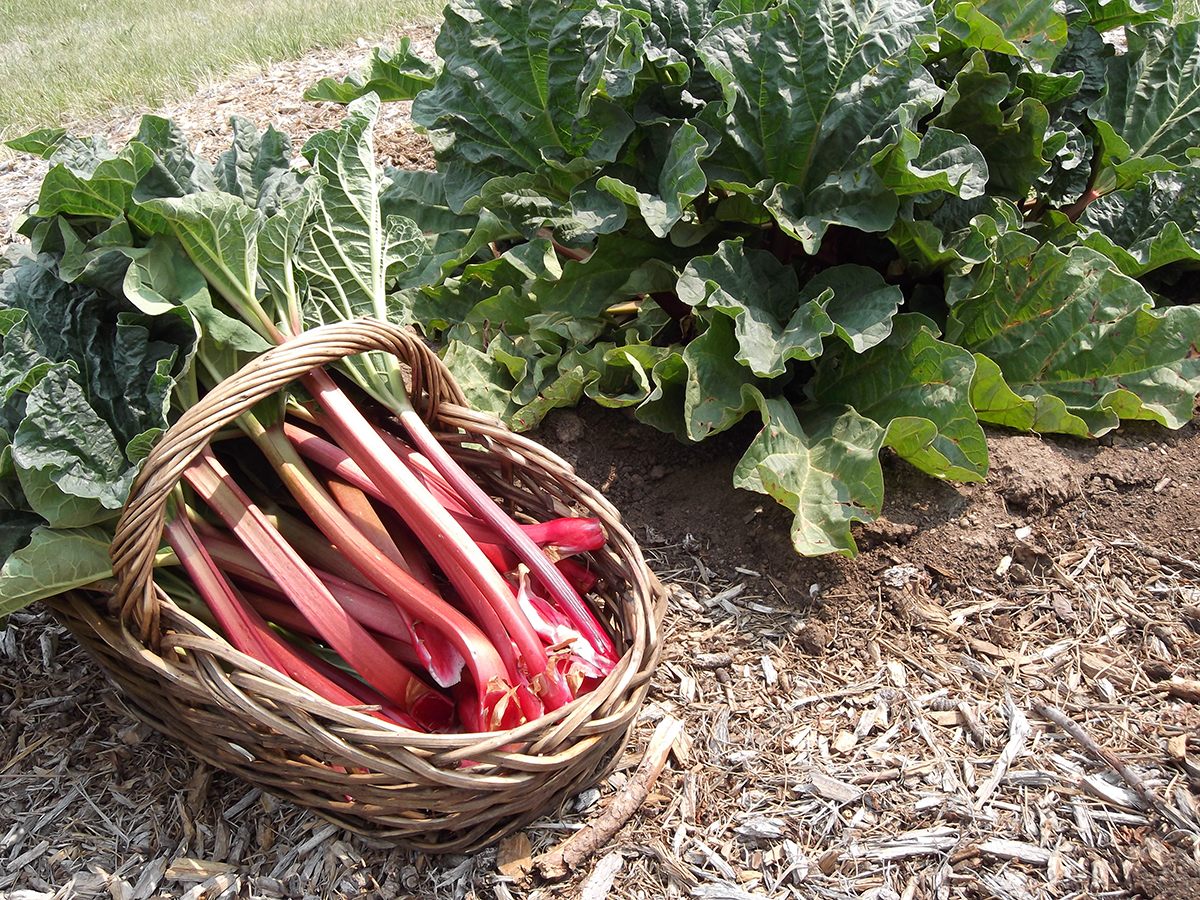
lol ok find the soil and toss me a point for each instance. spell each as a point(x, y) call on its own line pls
point(1140, 480)
point(92, 804)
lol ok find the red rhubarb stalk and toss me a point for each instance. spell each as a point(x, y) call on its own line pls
point(338, 628)
point(485, 659)
point(477, 581)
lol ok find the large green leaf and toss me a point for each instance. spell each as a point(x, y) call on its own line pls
point(124, 360)
point(1073, 327)
point(398, 75)
point(1030, 29)
point(918, 388)
point(939, 160)
point(772, 322)
point(70, 463)
point(55, 560)
point(793, 77)
point(1149, 116)
point(719, 389)
point(257, 167)
point(219, 233)
point(1153, 224)
point(176, 171)
point(523, 82)
point(350, 253)
point(100, 187)
point(679, 183)
point(1106, 15)
point(999, 404)
point(825, 471)
point(1010, 137)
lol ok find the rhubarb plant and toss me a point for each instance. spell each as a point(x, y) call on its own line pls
point(385, 555)
point(872, 225)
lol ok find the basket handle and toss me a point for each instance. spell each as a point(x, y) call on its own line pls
point(139, 530)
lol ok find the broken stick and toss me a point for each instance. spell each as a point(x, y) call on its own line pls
point(559, 862)
point(1075, 730)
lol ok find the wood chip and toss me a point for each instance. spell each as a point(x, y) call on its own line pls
point(831, 788)
point(514, 856)
point(189, 870)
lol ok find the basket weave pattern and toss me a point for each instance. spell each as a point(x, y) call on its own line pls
point(432, 792)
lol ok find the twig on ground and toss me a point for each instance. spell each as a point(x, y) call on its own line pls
point(559, 862)
point(1075, 730)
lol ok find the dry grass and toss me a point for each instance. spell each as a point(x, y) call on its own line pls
point(72, 61)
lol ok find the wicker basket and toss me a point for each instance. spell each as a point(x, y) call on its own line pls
point(432, 792)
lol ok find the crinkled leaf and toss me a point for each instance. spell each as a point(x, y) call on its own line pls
point(176, 171)
point(663, 407)
point(679, 183)
point(392, 75)
point(918, 387)
point(826, 471)
point(1070, 169)
point(622, 267)
point(421, 196)
point(720, 390)
point(1149, 116)
point(70, 463)
point(521, 83)
point(99, 261)
point(1105, 15)
point(164, 279)
point(1153, 224)
point(956, 238)
point(997, 403)
point(939, 160)
point(772, 322)
point(1030, 29)
point(124, 359)
point(1010, 137)
point(257, 167)
point(862, 304)
point(1072, 326)
point(856, 199)
point(486, 381)
point(791, 74)
point(100, 187)
point(793, 77)
point(54, 560)
point(564, 390)
point(351, 254)
point(219, 233)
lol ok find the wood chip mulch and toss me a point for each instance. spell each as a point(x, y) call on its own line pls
point(1041, 742)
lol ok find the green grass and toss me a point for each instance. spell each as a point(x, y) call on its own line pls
point(66, 61)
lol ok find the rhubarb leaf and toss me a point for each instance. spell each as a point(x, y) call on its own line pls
point(789, 75)
point(918, 388)
point(1030, 29)
point(54, 561)
point(391, 75)
point(826, 471)
point(1074, 327)
point(1153, 224)
point(1150, 113)
point(533, 90)
point(772, 322)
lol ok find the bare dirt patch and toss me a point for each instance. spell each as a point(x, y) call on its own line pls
point(874, 728)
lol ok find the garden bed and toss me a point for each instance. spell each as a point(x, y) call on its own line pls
point(879, 727)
